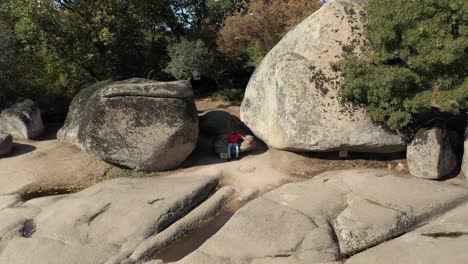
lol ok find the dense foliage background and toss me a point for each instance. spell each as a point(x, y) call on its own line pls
point(52, 48)
point(417, 61)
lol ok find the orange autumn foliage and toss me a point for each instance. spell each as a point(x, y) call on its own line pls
point(256, 30)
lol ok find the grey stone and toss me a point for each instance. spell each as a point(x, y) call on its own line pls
point(430, 154)
point(441, 241)
point(194, 219)
point(6, 144)
point(22, 120)
point(137, 123)
point(97, 223)
point(293, 101)
point(334, 215)
point(69, 131)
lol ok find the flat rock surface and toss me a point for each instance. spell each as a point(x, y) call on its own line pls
point(334, 215)
point(93, 225)
point(442, 241)
point(47, 164)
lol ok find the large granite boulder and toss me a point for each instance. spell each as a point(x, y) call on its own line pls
point(137, 123)
point(293, 100)
point(21, 119)
point(6, 144)
point(430, 154)
point(329, 218)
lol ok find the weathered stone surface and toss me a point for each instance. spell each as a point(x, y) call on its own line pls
point(194, 219)
point(7, 201)
point(465, 155)
point(221, 143)
point(137, 123)
point(6, 144)
point(22, 120)
point(430, 154)
point(335, 214)
point(293, 100)
point(97, 223)
point(69, 131)
point(442, 241)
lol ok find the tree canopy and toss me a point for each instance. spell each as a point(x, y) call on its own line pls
point(416, 62)
point(53, 48)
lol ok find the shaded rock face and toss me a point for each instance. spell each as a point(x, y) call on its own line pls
point(293, 100)
point(218, 123)
point(465, 155)
point(137, 123)
point(430, 154)
point(333, 216)
point(98, 223)
point(22, 120)
point(6, 144)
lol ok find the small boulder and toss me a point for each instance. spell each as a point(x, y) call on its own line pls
point(6, 144)
point(430, 154)
point(21, 119)
point(221, 143)
point(138, 123)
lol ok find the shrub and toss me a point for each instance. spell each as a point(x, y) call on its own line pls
point(188, 60)
point(231, 95)
point(417, 60)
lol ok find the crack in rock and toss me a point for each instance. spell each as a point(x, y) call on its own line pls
point(446, 234)
point(103, 209)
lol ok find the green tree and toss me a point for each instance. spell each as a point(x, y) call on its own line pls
point(188, 60)
point(417, 60)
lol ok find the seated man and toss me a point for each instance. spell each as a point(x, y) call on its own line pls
point(233, 139)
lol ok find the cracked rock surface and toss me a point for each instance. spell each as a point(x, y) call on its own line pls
point(97, 223)
point(332, 217)
point(442, 241)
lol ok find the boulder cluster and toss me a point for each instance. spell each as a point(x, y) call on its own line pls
point(293, 101)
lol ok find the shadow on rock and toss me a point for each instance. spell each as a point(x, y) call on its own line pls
point(21, 149)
